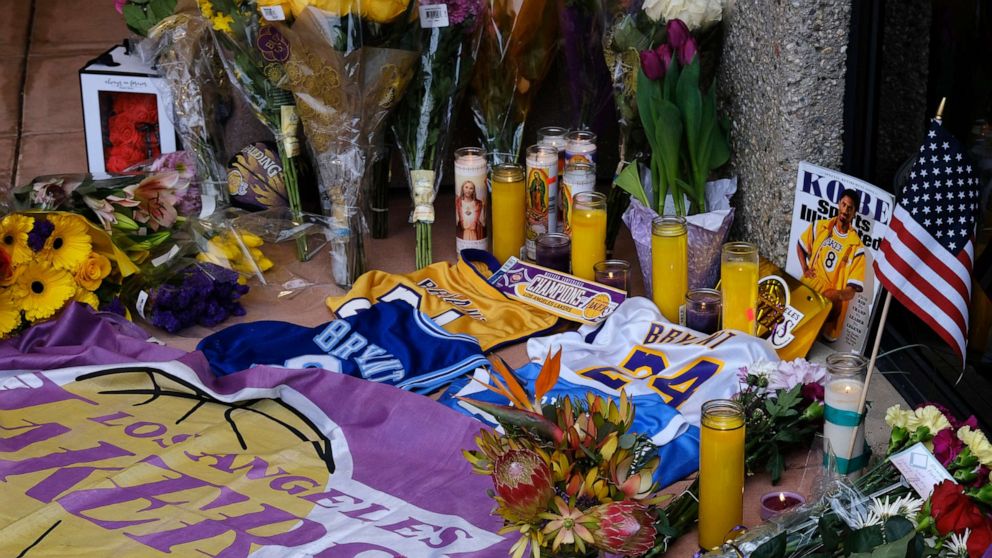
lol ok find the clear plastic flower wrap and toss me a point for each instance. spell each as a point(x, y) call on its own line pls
point(220, 240)
point(182, 48)
point(345, 87)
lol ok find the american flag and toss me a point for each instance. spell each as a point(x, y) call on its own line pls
point(926, 256)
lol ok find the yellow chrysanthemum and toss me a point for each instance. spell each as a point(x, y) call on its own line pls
point(897, 417)
point(977, 443)
point(93, 271)
point(14, 231)
point(87, 297)
point(930, 417)
point(10, 312)
point(206, 8)
point(43, 290)
point(69, 244)
point(222, 22)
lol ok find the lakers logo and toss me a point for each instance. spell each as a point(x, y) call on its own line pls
point(773, 298)
point(596, 307)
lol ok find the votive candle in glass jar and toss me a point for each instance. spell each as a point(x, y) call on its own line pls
point(588, 233)
point(721, 471)
point(471, 199)
point(669, 264)
point(554, 251)
point(554, 136)
point(579, 177)
point(615, 273)
point(842, 423)
point(739, 285)
point(580, 146)
point(509, 209)
point(542, 194)
point(702, 310)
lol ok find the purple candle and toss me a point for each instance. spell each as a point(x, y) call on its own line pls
point(702, 310)
point(554, 251)
point(614, 273)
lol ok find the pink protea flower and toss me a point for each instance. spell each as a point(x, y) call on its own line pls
point(624, 527)
point(522, 480)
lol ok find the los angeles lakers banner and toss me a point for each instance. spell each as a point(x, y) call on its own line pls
point(158, 459)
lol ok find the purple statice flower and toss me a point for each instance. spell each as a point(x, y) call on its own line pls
point(115, 306)
point(39, 234)
point(203, 293)
point(190, 202)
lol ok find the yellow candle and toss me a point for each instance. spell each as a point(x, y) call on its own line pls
point(508, 211)
point(669, 265)
point(588, 233)
point(739, 285)
point(721, 471)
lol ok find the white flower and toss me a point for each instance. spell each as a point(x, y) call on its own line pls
point(906, 506)
point(695, 13)
point(796, 373)
point(896, 417)
point(859, 519)
point(761, 369)
point(928, 416)
point(957, 545)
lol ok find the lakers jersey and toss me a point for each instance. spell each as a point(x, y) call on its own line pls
point(455, 296)
point(837, 260)
point(391, 343)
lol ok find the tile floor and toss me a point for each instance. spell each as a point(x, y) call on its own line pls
point(43, 43)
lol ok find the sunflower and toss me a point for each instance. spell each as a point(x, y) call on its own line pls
point(10, 312)
point(43, 290)
point(14, 231)
point(69, 244)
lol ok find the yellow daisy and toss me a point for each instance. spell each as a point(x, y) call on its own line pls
point(10, 312)
point(43, 290)
point(87, 297)
point(14, 231)
point(69, 245)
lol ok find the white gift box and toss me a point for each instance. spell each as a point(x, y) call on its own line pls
point(118, 71)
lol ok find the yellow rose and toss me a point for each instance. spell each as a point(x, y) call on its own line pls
point(929, 417)
point(896, 417)
point(92, 272)
point(977, 443)
point(383, 11)
point(336, 7)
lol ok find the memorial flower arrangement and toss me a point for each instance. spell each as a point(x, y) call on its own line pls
point(423, 120)
point(880, 515)
point(519, 43)
point(186, 293)
point(347, 70)
point(48, 260)
point(567, 476)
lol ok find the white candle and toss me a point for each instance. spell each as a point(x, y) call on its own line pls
point(471, 199)
point(843, 394)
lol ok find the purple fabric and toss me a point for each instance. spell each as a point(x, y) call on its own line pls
point(81, 336)
point(399, 484)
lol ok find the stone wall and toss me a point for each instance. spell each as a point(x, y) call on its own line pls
point(782, 83)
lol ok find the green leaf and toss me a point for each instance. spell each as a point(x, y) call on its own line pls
point(668, 140)
point(894, 549)
point(864, 540)
point(629, 180)
point(136, 19)
point(773, 548)
point(897, 528)
point(833, 531)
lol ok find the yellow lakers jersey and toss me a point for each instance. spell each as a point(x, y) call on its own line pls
point(837, 261)
point(456, 296)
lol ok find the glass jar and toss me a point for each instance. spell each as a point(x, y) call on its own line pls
point(669, 264)
point(721, 471)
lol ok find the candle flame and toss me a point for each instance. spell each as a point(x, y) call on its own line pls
point(847, 389)
point(781, 497)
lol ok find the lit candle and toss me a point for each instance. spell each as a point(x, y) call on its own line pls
point(509, 209)
point(470, 199)
point(739, 285)
point(588, 233)
point(580, 146)
point(842, 423)
point(614, 273)
point(702, 310)
point(578, 178)
point(775, 503)
point(542, 194)
point(554, 251)
point(721, 471)
point(669, 264)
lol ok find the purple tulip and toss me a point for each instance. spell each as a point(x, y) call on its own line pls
point(687, 52)
point(667, 56)
point(678, 33)
point(651, 64)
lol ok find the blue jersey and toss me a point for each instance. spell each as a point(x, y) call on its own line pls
point(391, 342)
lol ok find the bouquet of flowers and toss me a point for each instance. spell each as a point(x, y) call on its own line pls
point(519, 42)
point(423, 120)
point(50, 259)
point(346, 77)
point(185, 293)
point(878, 515)
point(783, 406)
point(568, 476)
point(139, 212)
